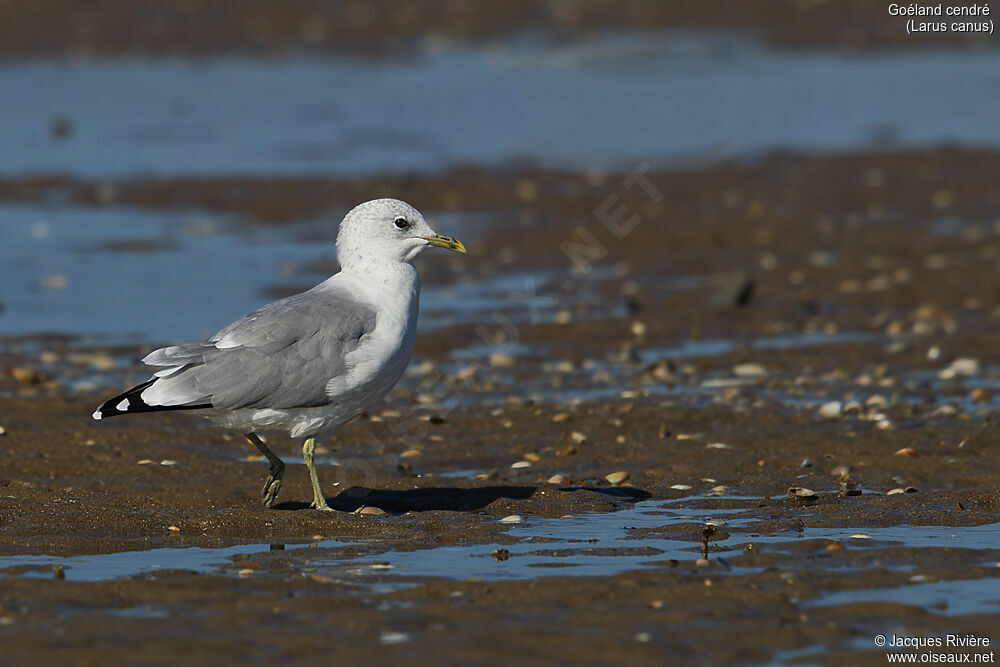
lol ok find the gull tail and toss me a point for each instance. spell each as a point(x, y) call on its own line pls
point(131, 402)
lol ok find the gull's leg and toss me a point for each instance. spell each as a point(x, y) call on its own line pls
point(273, 483)
point(319, 502)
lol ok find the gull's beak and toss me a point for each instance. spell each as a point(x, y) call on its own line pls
point(445, 242)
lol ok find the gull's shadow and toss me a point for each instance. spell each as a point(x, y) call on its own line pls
point(418, 500)
point(449, 498)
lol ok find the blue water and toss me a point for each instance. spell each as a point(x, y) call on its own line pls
point(611, 100)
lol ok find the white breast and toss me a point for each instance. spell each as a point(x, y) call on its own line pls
point(382, 355)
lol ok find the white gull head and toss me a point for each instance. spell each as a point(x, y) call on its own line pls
point(385, 231)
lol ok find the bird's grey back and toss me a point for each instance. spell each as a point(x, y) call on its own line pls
point(281, 356)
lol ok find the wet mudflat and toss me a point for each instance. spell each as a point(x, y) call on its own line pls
point(619, 495)
point(107, 552)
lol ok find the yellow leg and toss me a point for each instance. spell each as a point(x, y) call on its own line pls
point(319, 502)
point(273, 483)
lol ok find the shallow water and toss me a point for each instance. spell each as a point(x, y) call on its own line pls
point(593, 544)
point(704, 96)
point(127, 275)
point(568, 546)
point(718, 346)
point(125, 564)
point(949, 598)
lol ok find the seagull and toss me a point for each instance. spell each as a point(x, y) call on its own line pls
point(308, 363)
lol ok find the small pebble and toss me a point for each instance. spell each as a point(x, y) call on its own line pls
point(735, 290)
point(410, 453)
point(168, 462)
point(144, 462)
point(513, 518)
point(749, 371)
point(892, 492)
point(521, 464)
point(3, 431)
point(860, 536)
point(945, 411)
point(979, 395)
point(840, 471)
point(806, 463)
point(501, 360)
point(961, 366)
point(908, 452)
point(876, 401)
point(831, 410)
point(25, 375)
point(389, 638)
point(577, 437)
point(617, 478)
point(369, 510)
point(681, 487)
point(173, 529)
point(801, 492)
point(557, 479)
point(643, 637)
point(54, 281)
point(245, 572)
point(718, 445)
point(833, 547)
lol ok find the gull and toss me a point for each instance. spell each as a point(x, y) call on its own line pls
point(313, 361)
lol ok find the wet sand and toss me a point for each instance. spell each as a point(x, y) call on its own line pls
point(869, 281)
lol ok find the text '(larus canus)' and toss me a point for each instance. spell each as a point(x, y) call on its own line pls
point(310, 362)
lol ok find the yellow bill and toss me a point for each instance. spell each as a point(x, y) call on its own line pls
point(446, 242)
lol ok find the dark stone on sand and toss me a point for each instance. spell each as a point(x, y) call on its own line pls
point(735, 291)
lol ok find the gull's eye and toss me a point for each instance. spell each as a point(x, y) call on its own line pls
point(401, 223)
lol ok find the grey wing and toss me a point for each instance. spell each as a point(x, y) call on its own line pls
point(281, 356)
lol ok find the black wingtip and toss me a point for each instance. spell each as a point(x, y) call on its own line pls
point(131, 402)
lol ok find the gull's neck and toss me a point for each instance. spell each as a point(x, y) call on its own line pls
point(392, 284)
